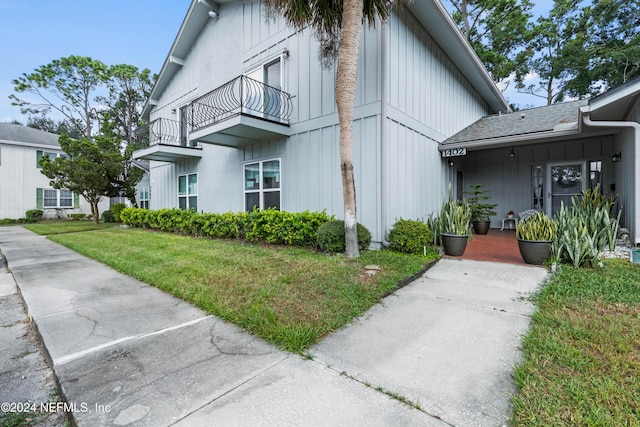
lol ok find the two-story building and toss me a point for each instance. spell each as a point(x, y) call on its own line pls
point(22, 185)
point(244, 115)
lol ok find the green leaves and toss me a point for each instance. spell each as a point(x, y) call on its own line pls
point(585, 229)
point(269, 226)
point(536, 227)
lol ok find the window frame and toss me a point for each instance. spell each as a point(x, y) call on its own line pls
point(188, 195)
point(261, 190)
point(58, 199)
point(144, 197)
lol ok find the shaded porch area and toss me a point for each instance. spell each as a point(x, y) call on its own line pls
point(496, 246)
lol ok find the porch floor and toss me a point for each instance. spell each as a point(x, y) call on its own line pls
point(497, 246)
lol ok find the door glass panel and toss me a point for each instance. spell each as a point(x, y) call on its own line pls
point(566, 181)
point(272, 104)
point(595, 175)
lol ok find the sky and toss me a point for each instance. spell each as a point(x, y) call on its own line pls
point(136, 32)
point(35, 32)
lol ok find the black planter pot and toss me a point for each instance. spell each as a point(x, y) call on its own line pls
point(454, 244)
point(534, 251)
point(481, 227)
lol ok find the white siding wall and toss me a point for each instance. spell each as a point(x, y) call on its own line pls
point(19, 179)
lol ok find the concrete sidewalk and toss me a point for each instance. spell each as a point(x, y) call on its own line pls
point(129, 354)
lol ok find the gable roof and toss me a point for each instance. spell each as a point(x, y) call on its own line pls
point(431, 13)
point(550, 118)
point(22, 135)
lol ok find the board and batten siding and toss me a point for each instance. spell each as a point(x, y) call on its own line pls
point(423, 83)
point(510, 181)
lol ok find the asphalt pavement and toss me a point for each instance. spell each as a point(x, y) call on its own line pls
point(438, 352)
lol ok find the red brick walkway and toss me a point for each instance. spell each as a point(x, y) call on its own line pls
point(497, 246)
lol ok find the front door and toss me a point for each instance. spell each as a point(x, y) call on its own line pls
point(564, 180)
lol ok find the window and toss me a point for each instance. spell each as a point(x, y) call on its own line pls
point(40, 154)
point(52, 198)
point(188, 191)
point(144, 198)
point(262, 185)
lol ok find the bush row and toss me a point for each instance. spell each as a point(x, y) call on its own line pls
point(270, 225)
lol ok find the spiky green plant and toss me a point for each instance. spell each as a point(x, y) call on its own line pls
point(536, 227)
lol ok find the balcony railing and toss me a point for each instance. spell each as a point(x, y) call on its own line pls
point(164, 132)
point(240, 96)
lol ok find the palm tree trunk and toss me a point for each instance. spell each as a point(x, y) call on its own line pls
point(345, 98)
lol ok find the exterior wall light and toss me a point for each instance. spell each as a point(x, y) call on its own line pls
point(616, 157)
point(512, 154)
point(213, 14)
point(451, 163)
point(285, 53)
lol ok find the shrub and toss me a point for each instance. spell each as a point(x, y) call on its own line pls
point(410, 236)
point(107, 216)
point(33, 215)
point(77, 216)
point(331, 236)
point(117, 210)
point(270, 225)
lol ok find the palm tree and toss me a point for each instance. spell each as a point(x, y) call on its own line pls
point(337, 25)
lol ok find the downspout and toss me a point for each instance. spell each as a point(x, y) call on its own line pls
point(384, 141)
point(636, 128)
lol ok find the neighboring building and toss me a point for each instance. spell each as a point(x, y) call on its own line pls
point(242, 114)
point(22, 186)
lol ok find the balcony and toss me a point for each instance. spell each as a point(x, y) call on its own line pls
point(240, 112)
point(162, 140)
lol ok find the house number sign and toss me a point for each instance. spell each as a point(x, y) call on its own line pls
point(454, 152)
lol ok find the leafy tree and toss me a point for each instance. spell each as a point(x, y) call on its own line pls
point(608, 52)
point(129, 89)
point(92, 168)
point(67, 85)
point(553, 38)
point(337, 25)
point(49, 125)
point(496, 29)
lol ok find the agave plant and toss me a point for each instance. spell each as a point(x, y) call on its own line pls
point(538, 227)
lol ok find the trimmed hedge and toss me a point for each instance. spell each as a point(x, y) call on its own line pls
point(410, 236)
point(331, 236)
point(269, 226)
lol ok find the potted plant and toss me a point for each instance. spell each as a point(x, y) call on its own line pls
point(480, 209)
point(535, 234)
point(454, 225)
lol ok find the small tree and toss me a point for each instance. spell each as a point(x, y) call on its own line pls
point(480, 209)
point(93, 169)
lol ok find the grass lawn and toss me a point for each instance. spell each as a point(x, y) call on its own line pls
point(290, 296)
point(66, 226)
point(582, 356)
